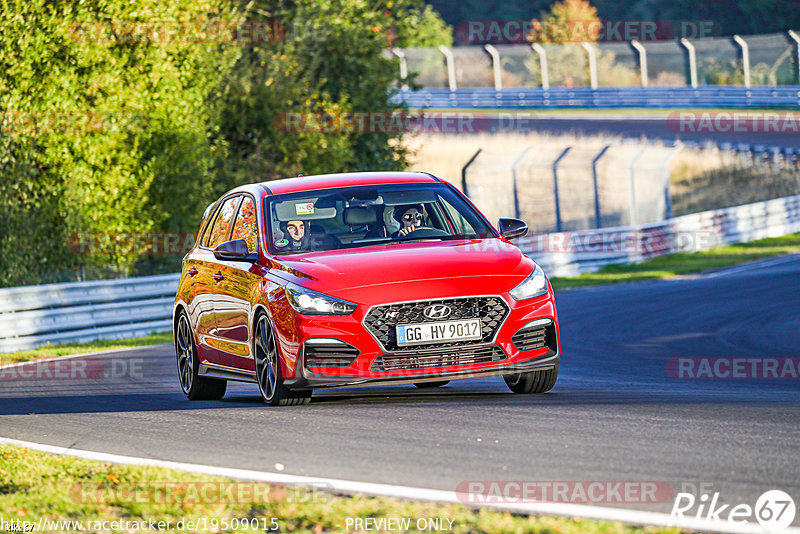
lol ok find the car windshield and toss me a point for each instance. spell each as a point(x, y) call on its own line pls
point(353, 217)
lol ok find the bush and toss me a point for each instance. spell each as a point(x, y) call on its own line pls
point(130, 117)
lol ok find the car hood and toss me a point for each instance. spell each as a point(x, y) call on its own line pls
point(424, 269)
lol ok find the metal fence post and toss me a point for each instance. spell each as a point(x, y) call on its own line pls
point(745, 59)
point(632, 178)
point(592, 64)
point(539, 49)
point(796, 38)
point(596, 159)
point(667, 196)
point(450, 60)
point(642, 60)
point(464, 171)
point(498, 73)
point(687, 44)
point(514, 180)
point(555, 187)
point(403, 66)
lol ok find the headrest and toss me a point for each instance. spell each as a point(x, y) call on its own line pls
point(360, 216)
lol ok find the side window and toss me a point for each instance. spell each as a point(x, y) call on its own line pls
point(222, 223)
point(245, 226)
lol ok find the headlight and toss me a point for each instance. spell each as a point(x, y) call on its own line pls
point(310, 302)
point(533, 286)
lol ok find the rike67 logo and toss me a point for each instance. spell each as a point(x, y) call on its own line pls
point(774, 510)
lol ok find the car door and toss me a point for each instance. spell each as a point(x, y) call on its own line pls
point(209, 340)
point(233, 297)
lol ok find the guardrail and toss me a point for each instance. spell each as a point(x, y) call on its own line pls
point(573, 253)
point(786, 96)
point(79, 312)
point(33, 316)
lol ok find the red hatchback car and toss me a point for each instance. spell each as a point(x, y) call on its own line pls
point(355, 279)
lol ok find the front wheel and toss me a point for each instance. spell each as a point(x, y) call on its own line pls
point(532, 381)
point(194, 387)
point(268, 369)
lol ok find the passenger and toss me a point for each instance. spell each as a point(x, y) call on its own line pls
point(301, 237)
point(295, 232)
point(410, 217)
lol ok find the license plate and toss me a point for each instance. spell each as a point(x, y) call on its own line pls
point(416, 334)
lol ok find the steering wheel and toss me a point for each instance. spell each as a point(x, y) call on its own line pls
point(424, 232)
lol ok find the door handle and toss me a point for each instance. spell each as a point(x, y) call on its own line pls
point(192, 271)
point(218, 277)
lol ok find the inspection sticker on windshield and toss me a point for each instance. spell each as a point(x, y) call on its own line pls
point(304, 209)
point(412, 334)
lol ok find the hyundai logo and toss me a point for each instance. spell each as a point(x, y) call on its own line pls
point(437, 311)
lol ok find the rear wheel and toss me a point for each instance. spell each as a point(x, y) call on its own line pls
point(533, 381)
point(428, 385)
point(268, 369)
point(194, 387)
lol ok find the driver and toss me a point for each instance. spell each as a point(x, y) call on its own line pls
point(410, 218)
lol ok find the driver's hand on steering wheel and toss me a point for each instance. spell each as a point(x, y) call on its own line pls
point(407, 230)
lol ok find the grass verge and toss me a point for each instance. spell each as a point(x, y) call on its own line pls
point(51, 351)
point(671, 265)
point(37, 486)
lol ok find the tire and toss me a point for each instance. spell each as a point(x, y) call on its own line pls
point(194, 387)
point(268, 369)
point(429, 385)
point(532, 382)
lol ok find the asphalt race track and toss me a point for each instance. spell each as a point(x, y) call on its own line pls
point(616, 414)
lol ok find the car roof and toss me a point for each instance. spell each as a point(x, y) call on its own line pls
point(329, 181)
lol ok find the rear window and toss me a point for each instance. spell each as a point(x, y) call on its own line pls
point(222, 223)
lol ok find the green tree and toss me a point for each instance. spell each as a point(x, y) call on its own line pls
point(105, 125)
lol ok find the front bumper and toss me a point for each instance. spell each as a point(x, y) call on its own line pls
point(309, 380)
point(364, 369)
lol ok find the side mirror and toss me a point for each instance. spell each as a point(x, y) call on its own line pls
point(235, 250)
point(511, 228)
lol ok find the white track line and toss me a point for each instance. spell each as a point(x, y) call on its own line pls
point(406, 492)
point(755, 265)
point(82, 355)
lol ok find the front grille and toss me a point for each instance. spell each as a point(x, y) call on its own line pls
point(536, 338)
point(405, 362)
point(329, 353)
point(382, 320)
